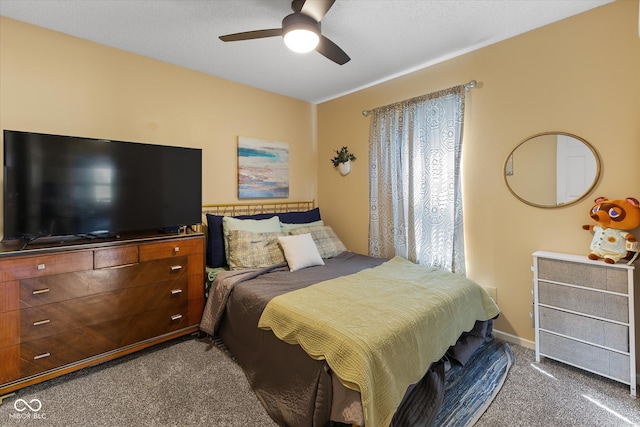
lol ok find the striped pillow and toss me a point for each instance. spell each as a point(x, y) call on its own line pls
point(254, 250)
point(327, 241)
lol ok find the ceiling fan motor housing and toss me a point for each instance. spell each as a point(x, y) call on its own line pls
point(300, 21)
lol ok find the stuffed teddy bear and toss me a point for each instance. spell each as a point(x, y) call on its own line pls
point(613, 219)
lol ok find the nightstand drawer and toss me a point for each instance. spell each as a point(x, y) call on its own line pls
point(590, 276)
point(595, 359)
point(594, 303)
point(600, 332)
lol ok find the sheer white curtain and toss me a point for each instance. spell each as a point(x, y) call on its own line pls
point(415, 185)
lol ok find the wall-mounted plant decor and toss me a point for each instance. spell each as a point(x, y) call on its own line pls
point(342, 160)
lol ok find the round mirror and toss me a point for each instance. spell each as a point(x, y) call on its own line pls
point(552, 169)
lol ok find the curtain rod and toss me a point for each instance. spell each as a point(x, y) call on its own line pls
point(467, 88)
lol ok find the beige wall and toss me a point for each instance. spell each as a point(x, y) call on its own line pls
point(54, 83)
point(580, 75)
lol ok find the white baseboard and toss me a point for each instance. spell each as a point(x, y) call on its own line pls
point(514, 339)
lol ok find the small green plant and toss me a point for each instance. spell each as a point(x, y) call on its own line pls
point(342, 156)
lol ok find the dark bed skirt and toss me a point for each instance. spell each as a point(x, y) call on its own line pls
point(297, 390)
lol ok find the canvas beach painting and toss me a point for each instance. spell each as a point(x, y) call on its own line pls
point(263, 168)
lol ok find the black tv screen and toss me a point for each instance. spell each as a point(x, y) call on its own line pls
point(71, 186)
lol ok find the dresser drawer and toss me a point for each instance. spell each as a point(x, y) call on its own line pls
point(59, 350)
point(50, 289)
point(586, 275)
point(118, 256)
point(595, 359)
point(56, 318)
point(45, 265)
point(594, 303)
point(180, 247)
point(600, 332)
point(46, 320)
point(170, 293)
point(154, 323)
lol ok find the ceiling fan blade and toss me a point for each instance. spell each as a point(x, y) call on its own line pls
point(250, 35)
point(317, 8)
point(331, 51)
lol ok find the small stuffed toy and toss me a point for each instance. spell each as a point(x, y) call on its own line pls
point(613, 218)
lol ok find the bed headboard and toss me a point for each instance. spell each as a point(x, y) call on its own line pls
point(215, 212)
point(235, 209)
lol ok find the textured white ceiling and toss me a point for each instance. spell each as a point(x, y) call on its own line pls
point(384, 38)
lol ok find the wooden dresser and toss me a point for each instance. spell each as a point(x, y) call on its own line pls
point(62, 309)
point(586, 314)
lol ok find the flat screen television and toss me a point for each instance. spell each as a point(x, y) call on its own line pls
point(72, 186)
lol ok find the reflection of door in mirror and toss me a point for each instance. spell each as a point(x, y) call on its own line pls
point(575, 169)
point(552, 169)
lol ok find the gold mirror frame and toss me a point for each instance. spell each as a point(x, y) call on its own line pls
point(511, 165)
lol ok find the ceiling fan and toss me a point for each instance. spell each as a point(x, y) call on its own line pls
point(301, 31)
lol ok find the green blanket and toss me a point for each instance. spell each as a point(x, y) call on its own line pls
point(381, 328)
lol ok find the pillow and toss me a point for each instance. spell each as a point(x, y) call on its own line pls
point(303, 217)
point(216, 253)
point(271, 225)
point(253, 250)
point(215, 242)
point(327, 241)
point(286, 228)
point(300, 251)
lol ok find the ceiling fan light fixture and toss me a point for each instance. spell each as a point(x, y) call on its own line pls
point(301, 41)
point(300, 32)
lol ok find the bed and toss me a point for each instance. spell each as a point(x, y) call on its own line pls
point(324, 334)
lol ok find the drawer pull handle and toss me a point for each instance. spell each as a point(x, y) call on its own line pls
point(176, 249)
point(40, 291)
point(41, 267)
point(41, 322)
point(176, 317)
point(176, 291)
point(41, 356)
point(176, 267)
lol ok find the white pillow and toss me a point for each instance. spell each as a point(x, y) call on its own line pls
point(270, 225)
point(300, 251)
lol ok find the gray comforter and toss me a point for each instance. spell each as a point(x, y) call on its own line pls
point(295, 389)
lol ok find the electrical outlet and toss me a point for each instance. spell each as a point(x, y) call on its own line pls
point(493, 292)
